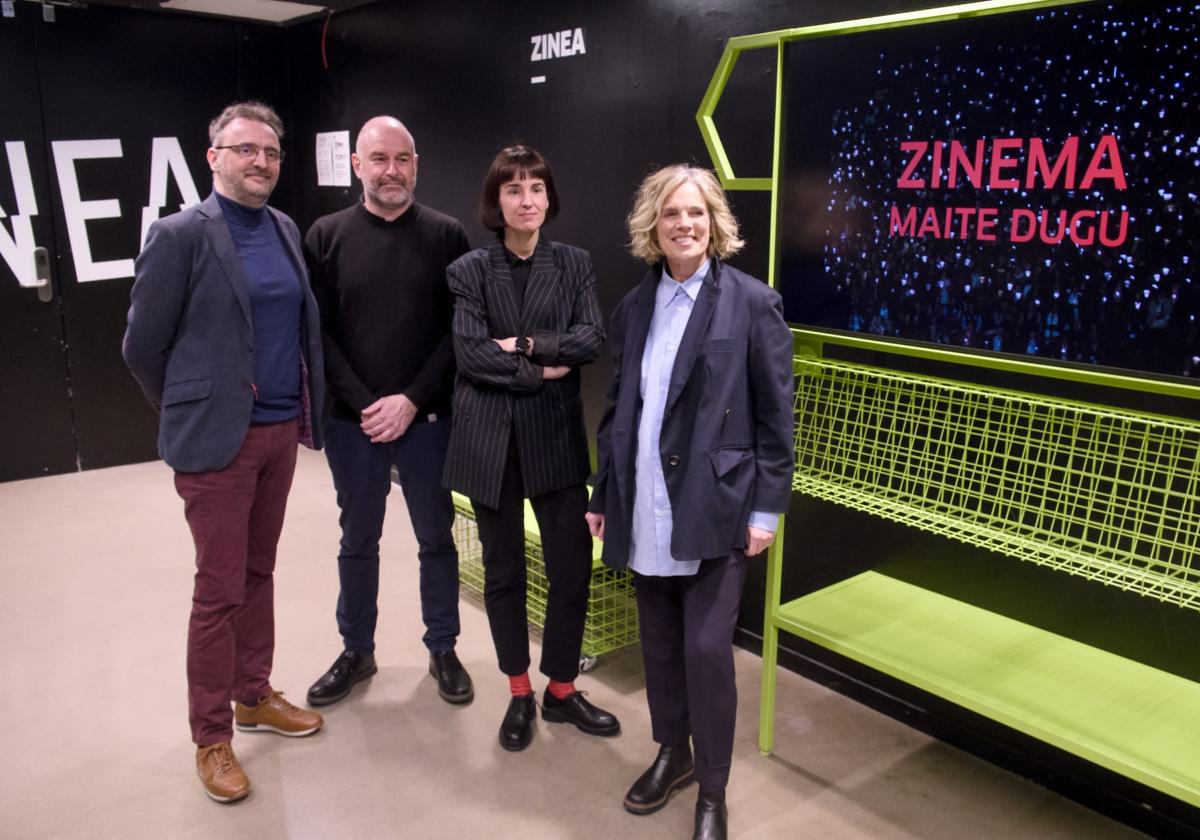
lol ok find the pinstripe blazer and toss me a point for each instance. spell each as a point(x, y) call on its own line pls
point(498, 393)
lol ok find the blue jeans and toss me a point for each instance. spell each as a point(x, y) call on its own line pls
point(362, 478)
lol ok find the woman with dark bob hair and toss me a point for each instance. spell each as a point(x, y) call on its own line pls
point(526, 318)
point(695, 468)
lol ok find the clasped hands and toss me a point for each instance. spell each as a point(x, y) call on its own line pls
point(509, 345)
point(388, 418)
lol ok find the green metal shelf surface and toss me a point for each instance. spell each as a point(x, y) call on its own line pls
point(1106, 494)
point(612, 620)
point(1133, 719)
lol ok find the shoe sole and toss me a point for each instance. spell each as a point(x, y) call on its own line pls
point(224, 800)
point(516, 747)
point(652, 807)
point(557, 717)
point(262, 727)
point(455, 699)
point(328, 701)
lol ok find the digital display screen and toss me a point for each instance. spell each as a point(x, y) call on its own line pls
point(1023, 182)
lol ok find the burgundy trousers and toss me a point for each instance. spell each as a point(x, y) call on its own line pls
point(236, 516)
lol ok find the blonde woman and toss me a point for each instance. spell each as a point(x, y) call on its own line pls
point(695, 466)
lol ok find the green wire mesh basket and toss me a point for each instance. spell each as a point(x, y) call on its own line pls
point(612, 621)
point(1106, 494)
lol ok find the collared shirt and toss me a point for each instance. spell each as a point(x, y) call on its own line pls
point(650, 543)
point(519, 267)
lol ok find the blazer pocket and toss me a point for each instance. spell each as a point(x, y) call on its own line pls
point(728, 458)
point(719, 345)
point(186, 391)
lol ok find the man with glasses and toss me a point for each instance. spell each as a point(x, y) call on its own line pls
point(379, 272)
point(224, 339)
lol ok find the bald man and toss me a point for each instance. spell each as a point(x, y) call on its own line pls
point(379, 275)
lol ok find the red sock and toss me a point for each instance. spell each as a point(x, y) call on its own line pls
point(519, 685)
point(561, 690)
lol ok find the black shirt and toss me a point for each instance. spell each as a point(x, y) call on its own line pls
point(520, 274)
point(385, 306)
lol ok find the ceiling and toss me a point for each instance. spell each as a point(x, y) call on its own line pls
point(278, 12)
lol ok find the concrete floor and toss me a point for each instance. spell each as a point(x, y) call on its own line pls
point(97, 569)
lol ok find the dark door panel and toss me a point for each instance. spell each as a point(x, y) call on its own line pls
point(36, 435)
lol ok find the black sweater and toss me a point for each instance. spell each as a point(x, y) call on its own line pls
point(385, 306)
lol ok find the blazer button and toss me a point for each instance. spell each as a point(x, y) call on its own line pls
point(673, 460)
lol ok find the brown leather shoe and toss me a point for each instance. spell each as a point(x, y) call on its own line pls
point(274, 714)
point(221, 774)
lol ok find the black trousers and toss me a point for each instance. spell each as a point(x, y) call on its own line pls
point(687, 625)
point(567, 552)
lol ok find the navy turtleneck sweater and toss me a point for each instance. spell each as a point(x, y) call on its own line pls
point(276, 300)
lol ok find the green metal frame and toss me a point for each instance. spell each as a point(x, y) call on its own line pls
point(1111, 495)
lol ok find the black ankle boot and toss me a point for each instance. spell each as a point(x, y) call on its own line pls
point(671, 770)
point(712, 820)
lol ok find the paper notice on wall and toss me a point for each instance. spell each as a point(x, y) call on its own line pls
point(333, 158)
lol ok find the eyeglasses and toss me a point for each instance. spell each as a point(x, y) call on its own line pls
point(249, 151)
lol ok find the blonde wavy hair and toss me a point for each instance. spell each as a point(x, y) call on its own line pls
point(723, 240)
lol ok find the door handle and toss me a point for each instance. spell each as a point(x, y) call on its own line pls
point(41, 275)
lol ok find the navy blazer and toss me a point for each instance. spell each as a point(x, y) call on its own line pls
point(190, 338)
point(727, 436)
point(496, 393)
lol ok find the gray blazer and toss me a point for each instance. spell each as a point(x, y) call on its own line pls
point(495, 391)
point(190, 339)
point(726, 443)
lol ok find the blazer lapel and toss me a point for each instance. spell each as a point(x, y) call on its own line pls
point(539, 288)
point(697, 328)
point(636, 333)
point(499, 292)
point(216, 231)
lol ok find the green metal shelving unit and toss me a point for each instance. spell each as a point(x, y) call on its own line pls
point(1112, 496)
point(1109, 495)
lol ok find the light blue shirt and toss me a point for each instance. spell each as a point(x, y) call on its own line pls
point(650, 543)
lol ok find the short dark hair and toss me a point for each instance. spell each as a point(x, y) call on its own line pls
point(510, 164)
point(257, 111)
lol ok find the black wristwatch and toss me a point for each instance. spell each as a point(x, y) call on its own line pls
point(523, 345)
